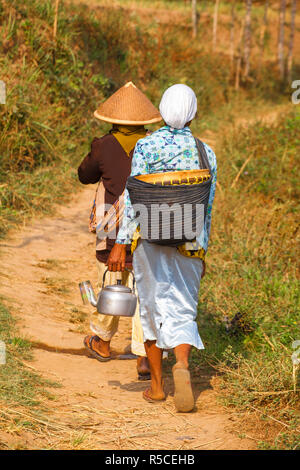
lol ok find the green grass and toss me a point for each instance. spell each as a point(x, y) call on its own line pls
point(24, 395)
point(253, 268)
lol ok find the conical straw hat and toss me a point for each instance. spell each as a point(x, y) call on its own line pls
point(129, 106)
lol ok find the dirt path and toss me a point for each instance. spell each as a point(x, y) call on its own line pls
point(99, 404)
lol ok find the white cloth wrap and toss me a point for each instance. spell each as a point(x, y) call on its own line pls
point(168, 285)
point(178, 106)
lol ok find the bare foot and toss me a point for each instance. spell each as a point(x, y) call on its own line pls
point(153, 396)
point(180, 365)
point(156, 391)
point(99, 345)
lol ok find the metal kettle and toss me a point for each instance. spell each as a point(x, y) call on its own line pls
point(116, 300)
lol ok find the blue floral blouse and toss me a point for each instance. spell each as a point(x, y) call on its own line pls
point(167, 150)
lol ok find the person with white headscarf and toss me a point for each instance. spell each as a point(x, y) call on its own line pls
point(168, 277)
point(178, 106)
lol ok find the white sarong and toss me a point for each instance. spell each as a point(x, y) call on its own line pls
point(168, 285)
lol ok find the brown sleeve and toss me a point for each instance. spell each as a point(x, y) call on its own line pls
point(89, 171)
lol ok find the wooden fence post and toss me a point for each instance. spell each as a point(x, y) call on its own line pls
point(215, 24)
point(291, 42)
point(55, 28)
point(239, 56)
point(232, 35)
point(263, 30)
point(281, 39)
point(194, 17)
point(247, 43)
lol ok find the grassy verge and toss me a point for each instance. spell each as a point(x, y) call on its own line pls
point(24, 395)
point(253, 269)
point(27, 419)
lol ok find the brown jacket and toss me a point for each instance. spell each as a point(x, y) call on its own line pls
point(107, 161)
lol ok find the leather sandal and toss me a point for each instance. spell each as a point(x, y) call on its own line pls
point(144, 377)
point(88, 346)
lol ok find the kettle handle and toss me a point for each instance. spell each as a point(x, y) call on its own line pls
point(126, 269)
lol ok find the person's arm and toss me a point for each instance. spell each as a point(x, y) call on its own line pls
point(204, 236)
point(89, 171)
point(117, 257)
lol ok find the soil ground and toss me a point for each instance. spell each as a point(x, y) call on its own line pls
point(99, 405)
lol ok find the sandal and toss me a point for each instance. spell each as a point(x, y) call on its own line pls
point(143, 370)
point(94, 353)
point(183, 396)
point(144, 377)
point(149, 399)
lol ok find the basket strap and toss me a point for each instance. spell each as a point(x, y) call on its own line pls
point(203, 159)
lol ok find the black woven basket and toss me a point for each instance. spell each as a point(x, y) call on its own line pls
point(161, 225)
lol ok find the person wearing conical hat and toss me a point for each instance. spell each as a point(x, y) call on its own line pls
point(168, 272)
point(109, 163)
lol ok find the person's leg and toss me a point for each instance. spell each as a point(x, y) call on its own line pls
point(154, 355)
point(137, 346)
point(142, 367)
point(182, 353)
point(183, 395)
point(103, 326)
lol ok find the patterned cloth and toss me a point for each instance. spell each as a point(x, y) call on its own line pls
point(168, 150)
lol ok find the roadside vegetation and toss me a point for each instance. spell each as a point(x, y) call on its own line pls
point(53, 87)
point(250, 298)
point(24, 395)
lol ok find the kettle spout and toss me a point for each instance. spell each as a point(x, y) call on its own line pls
point(87, 293)
point(92, 297)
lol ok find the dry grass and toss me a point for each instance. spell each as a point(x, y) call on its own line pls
point(77, 427)
point(51, 264)
point(253, 268)
point(57, 286)
point(46, 127)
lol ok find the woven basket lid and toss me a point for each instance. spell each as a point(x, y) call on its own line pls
point(129, 106)
point(171, 176)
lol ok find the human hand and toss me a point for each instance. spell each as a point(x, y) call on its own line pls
point(117, 258)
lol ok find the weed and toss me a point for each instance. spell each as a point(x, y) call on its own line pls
point(46, 125)
point(49, 263)
point(19, 386)
point(253, 269)
point(56, 285)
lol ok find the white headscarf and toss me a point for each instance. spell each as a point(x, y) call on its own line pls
point(178, 106)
